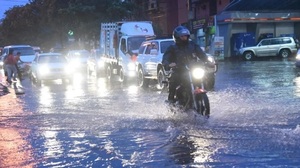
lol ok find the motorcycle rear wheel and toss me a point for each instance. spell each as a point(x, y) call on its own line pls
point(203, 106)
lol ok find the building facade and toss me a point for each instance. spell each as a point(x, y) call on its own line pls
point(243, 22)
point(208, 19)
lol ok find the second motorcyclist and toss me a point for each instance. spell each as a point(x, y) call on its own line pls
point(178, 55)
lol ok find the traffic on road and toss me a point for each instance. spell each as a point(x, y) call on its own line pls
point(93, 122)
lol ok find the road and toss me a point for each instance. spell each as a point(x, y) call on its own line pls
point(91, 123)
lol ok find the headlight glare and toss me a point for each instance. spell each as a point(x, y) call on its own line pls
point(44, 70)
point(211, 59)
point(198, 73)
point(68, 69)
point(100, 64)
point(75, 63)
point(131, 66)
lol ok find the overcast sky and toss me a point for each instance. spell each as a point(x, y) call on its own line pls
point(6, 4)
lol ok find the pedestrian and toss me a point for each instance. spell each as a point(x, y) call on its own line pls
point(17, 59)
point(10, 66)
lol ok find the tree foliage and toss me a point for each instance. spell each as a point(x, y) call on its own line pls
point(46, 22)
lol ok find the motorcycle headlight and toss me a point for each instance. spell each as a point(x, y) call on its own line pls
point(198, 73)
point(131, 66)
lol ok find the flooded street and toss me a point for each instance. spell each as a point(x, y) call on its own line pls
point(254, 122)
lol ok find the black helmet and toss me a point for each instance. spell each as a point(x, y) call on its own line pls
point(180, 31)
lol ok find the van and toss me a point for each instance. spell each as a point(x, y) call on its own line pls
point(27, 52)
point(27, 55)
point(283, 47)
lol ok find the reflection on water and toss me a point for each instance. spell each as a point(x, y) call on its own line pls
point(45, 97)
point(15, 150)
point(53, 147)
point(297, 86)
point(95, 123)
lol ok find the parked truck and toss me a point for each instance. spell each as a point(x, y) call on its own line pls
point(119, 44)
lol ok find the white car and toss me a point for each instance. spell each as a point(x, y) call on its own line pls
point(50, 66)
point(149, 61)
point(150, 67)
point(27, 55)
point(78, 59)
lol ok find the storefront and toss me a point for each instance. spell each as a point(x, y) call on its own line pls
point(261, 25)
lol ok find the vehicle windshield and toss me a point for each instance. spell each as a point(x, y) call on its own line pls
point(96, 53)
point(164, 45)
point(141, 49)
point(134, 43)
point(25, 51)
point(52, 59)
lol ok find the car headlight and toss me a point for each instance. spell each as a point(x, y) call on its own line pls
point(68, 69)
point(131, 66)
point(43, 70)
point(75, 63)
point(198, 73)
point(100, 64)
point(211, 59)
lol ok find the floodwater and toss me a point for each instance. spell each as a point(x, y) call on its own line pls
point(254, 122)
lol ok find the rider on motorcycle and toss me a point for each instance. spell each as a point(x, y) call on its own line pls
point(178, 55)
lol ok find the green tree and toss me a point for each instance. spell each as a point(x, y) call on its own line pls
point(47, 22)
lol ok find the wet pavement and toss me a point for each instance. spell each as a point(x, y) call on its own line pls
point(91, 123)
point(6, 88)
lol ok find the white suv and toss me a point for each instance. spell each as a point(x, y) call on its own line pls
point(278, 46)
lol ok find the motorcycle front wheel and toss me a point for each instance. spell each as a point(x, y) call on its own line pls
point(203, 106)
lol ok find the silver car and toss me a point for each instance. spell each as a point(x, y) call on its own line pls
point(50, 66)
point(279, 46)
point(149, 65)
point(149, 61)
point(78, 58)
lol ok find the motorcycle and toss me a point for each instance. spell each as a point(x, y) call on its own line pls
point(191, 93)
point(24, 68)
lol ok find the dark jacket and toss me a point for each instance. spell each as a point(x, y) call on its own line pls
point(183, 54)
